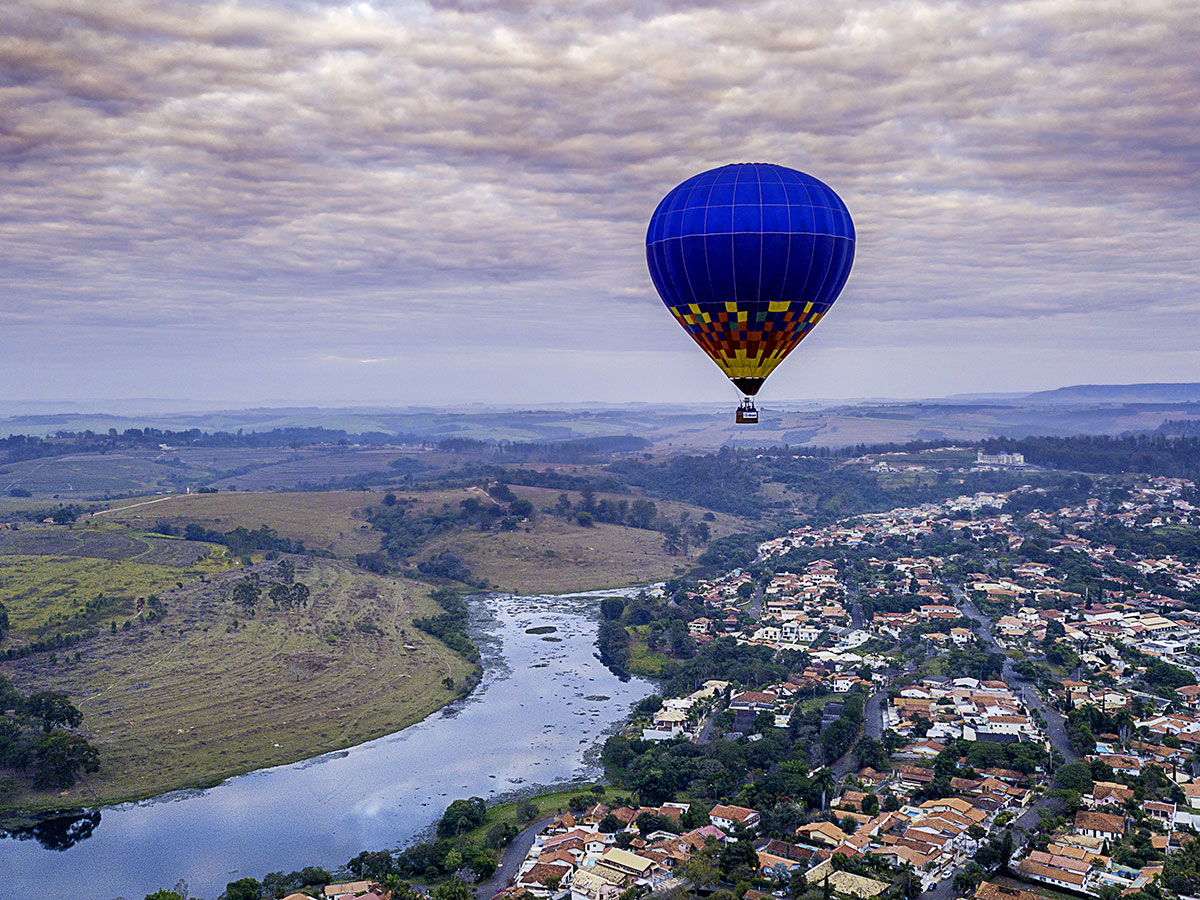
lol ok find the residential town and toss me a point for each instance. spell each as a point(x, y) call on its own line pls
point(993, 696)
point(1031, 707)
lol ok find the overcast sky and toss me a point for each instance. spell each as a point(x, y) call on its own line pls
point(394, 202)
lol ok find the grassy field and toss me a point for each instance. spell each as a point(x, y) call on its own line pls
point(55, 580)
point(323, 520)
point(46, 594)
point(208, 693)
point(553, 556)
point(94, 475)
point(558, 556)
point(310, 467)
point(642, 660)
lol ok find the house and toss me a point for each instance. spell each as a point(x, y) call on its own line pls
point(1065, 878)
point(700, 626)
point(779, 859)
point(843, 882)
point(546, 879)
point(1164, 813)
point(989, 891)
point(347, 889)
point(1190, 695)
point(594, 883)
point(821, 834)
point(1108, 793)
point(1100, 825)
point(728, 817)
point(759, 701)
point(1191, 790)
point(797, 632)
point(632, 866)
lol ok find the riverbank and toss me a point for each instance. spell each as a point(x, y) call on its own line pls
point(544, 704)
point(214, 690)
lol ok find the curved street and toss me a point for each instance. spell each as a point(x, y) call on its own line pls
point(1024, 824)
point(510, 863)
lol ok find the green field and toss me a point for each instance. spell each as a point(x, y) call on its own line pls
point(45, 595)
point(209, 692)
point(60, 581)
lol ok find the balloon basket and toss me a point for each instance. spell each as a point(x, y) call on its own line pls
point(746, 413)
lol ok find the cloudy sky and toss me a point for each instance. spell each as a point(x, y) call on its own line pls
point(446, 202)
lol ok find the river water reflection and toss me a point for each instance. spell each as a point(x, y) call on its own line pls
point(544, 703)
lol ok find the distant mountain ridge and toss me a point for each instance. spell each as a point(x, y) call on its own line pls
point(1165, 392)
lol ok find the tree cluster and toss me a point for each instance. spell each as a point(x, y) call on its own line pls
point(40, 737)
point(450, 626)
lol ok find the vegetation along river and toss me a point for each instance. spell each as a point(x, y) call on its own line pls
point(528, 723)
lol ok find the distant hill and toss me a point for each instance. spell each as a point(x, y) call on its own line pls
point(1182, 392)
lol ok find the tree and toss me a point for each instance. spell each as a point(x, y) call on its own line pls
point(527, 810)
point(1076, 776)
point(462, 815)
point(612, 607)
point(281, 595)
point(738, 860)
point(871, 752)
point(672, 543)
point(701, 871)
point(285, 571)
point(610, 824)
point(642, 514)
point(1054, 631)
point(499, 835)
point(54, 709)
point(968, 879)
point(246, 593)
point(60, 758)
point(243, 889)
point(454, 889)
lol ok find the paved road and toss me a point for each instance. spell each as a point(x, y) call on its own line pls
point(872, 727)
point(1024, 824)
point(1055, 723)
point(514, 853)
point(756, 603)
point(856, 613)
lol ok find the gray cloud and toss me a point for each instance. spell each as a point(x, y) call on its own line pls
point(350, 179)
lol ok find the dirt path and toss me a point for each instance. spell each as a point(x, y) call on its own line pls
point(135, 505)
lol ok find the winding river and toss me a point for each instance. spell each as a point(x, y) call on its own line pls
point(544, 704)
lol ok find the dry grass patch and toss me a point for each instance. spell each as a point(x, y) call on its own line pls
point(323, 520)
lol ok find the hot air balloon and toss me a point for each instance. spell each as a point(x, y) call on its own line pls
point(748, 258)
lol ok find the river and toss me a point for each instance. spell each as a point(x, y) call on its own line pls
point(544, 704)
